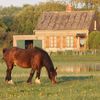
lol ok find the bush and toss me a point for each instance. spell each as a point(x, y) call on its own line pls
point(94, 40)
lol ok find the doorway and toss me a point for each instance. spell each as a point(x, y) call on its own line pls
point(28, 44)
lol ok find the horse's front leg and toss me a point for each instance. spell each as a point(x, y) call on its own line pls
point(37, 80)
point(8, 78)
point(31, 76)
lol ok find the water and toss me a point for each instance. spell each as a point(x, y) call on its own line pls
point(78, 67)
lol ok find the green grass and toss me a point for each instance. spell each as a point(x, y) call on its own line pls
point(67, 88)
point(73, 86)
point(75, 58)
point(70, 86)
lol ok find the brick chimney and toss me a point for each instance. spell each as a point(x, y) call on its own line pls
point(95, 25)
point(69, 8)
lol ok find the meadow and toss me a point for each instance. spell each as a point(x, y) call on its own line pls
point(70, 86)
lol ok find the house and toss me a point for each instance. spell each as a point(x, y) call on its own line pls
point(60, 31)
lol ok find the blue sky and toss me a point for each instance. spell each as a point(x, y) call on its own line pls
point(6, 3)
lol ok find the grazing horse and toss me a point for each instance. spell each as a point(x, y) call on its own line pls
point(34, 58)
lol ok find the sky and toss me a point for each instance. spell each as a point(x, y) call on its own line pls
point(6, 3)
point(20, 3)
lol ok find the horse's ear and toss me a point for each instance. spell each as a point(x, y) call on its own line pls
point(4, 50)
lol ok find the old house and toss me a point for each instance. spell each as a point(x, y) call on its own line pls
point(60, 31)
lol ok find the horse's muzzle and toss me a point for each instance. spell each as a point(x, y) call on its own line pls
point(54, 82)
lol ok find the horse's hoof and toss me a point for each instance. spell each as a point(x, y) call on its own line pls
point(54, 82)
point(29, 82)
point(10, 82)
point(37, 81)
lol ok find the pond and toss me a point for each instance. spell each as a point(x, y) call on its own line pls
point(78, 67)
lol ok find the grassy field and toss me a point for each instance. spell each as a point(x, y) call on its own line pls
point(67, 88)
point(70, 86)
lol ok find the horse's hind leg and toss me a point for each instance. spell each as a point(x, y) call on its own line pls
point(8, 74)
point(31, 76)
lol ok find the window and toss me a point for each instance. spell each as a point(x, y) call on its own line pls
point(82, 42)
point(53, 42)
point(70, 41)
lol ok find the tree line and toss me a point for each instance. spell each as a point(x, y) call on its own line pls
point(23, 20)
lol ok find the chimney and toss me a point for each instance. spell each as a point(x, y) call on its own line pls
point(69, 8)
point(95, 25)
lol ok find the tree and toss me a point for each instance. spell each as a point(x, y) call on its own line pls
point(9, 11)
point(2, 29)
point(88, 4)
point(8, 21)
point(96, 43)
point(24, 19)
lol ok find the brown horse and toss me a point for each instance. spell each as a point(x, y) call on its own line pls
point(34, 58)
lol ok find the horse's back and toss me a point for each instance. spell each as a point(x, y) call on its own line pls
point(22, 57)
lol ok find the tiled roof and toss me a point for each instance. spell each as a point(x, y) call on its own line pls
point(65, 20)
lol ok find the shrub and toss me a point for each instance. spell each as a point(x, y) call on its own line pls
point(94, 40)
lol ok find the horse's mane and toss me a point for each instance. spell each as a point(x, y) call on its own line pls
point(47, 62)
point(5, 49)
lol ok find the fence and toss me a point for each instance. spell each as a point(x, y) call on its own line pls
point(71, 52)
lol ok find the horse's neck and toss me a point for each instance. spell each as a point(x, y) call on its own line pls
point(48, 64)
point(49, 69)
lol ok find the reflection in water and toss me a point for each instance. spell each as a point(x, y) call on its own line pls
point(79, 67)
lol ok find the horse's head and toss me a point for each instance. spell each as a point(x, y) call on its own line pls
point(53, 75)
point(4, 50)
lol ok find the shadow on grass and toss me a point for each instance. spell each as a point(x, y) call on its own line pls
point(71, 78)
point(60, 79)
point(20, 82)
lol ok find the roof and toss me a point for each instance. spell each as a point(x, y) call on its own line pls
point(73, 20)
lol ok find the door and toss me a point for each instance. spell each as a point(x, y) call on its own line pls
point(21, 44)
point(37, 43)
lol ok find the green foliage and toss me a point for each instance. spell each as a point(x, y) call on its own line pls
point(2, 29)
point(9, 11)
point(26, 19)
point(91, 39)
point(23, 20)
point(87, 4)
point(8, 21)
point(94, 40)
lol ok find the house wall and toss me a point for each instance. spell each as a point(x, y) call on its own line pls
point(61, 39)
point(27, 37)
point(55, 40)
